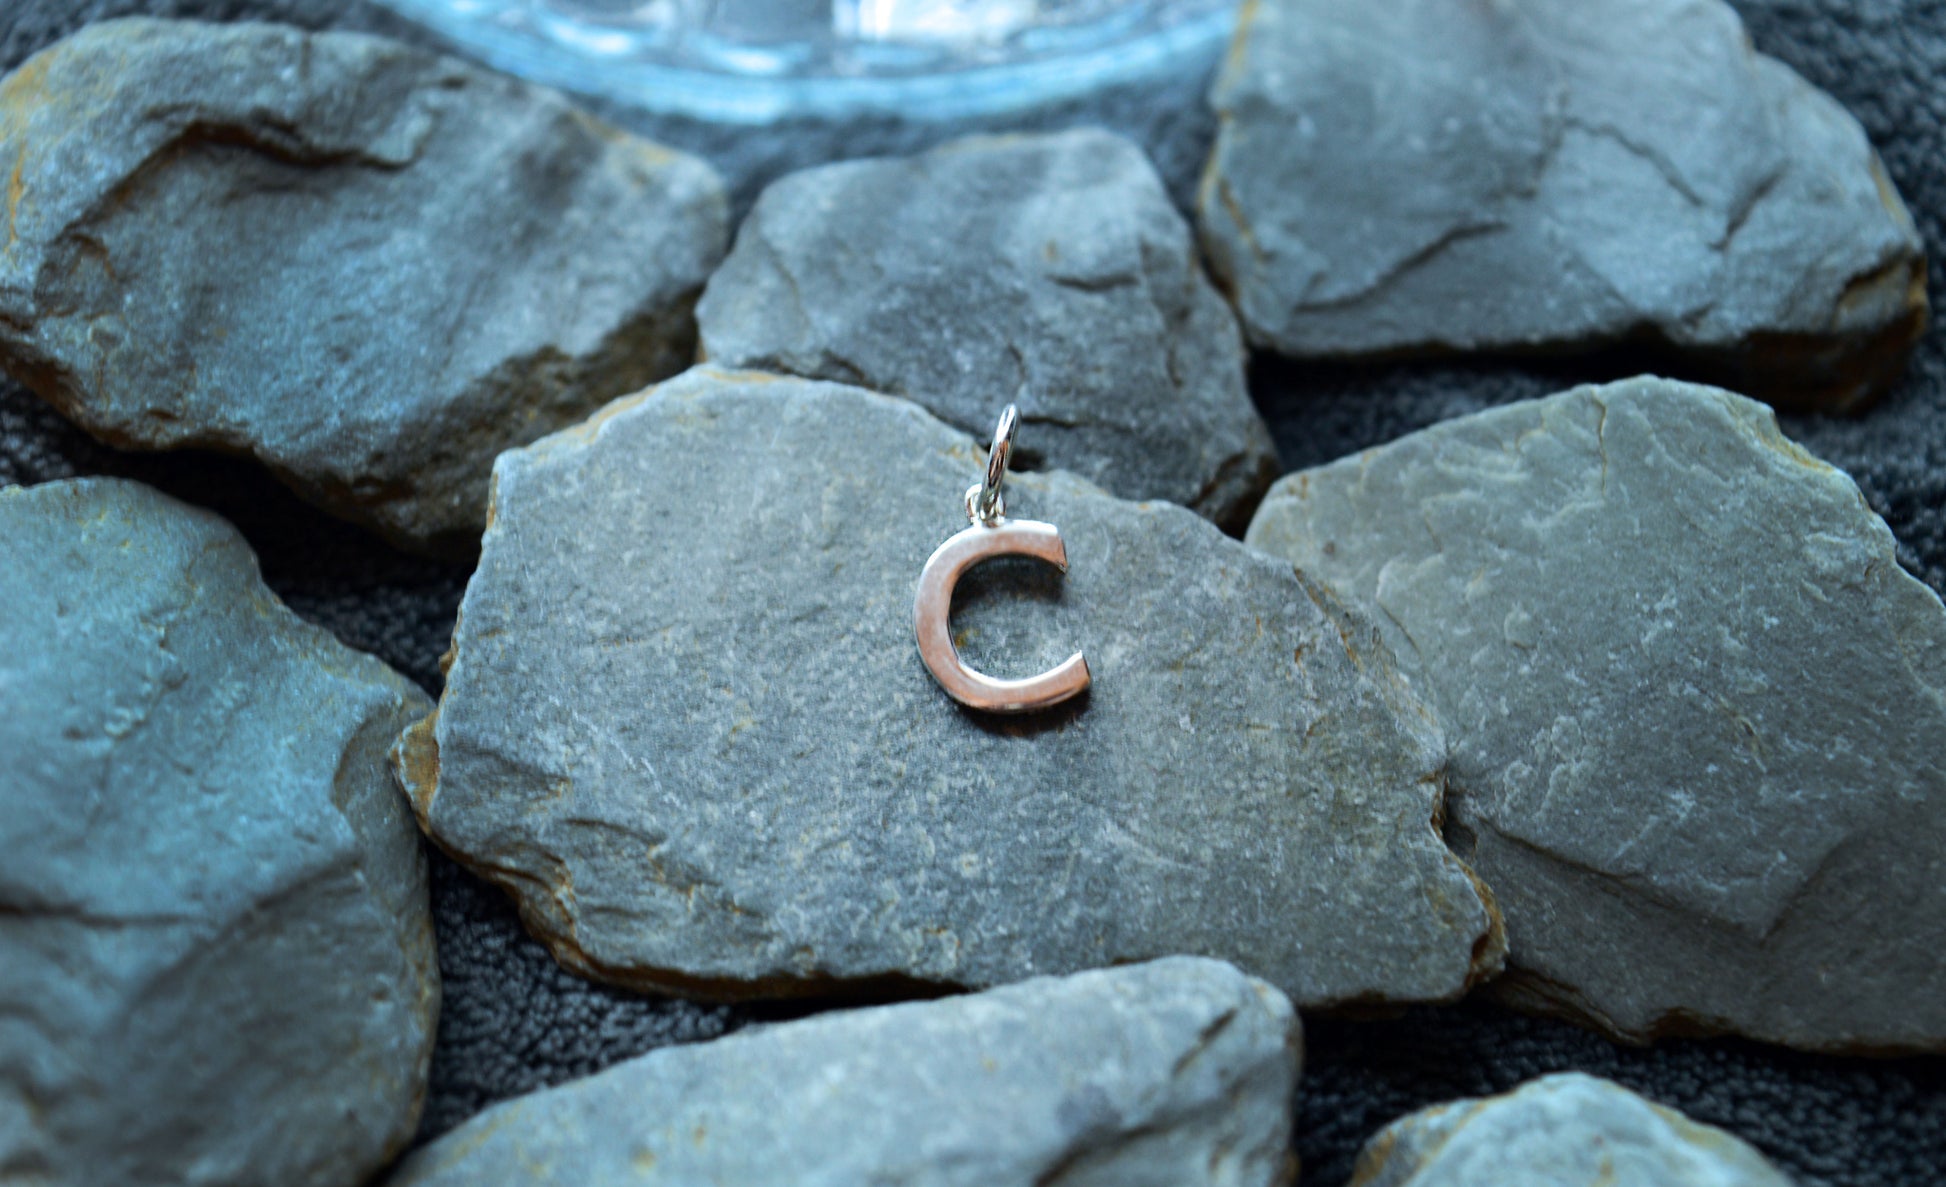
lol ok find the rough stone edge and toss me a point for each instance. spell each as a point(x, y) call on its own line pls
point(1489, 957)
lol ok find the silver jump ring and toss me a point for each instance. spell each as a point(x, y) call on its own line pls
point(990, 534)
point(984, 501)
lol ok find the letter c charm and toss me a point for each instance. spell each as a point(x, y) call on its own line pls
point(991, 534)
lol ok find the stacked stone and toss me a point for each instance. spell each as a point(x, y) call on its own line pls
point(1615, 705)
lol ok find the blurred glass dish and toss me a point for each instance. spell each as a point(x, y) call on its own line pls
point(843, 78)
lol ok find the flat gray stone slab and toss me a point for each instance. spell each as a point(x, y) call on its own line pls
point(370, 268)
point(1428, 176)
point(1047, 270)
point(1696, 708)
point(1175, 1073)
point(687, 726)
point(216, 953)
point(1568, 1130)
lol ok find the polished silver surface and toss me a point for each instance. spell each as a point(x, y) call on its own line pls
point(933, 610)
point(991, 507)
point(991, 534)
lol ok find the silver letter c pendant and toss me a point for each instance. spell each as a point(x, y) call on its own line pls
point(991, 534)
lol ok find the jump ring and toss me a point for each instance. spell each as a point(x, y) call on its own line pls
point(987, 504)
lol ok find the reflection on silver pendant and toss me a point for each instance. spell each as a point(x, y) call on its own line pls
point(991, 534)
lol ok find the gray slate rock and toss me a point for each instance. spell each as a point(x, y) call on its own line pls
point(216, 955)
point(1696, 707)
point(687, 726)
point(518, 1020)
point(1568, 1130)
point(368, 267)
point(1422, 175)
point(1176, 1073)
point(1048, 270)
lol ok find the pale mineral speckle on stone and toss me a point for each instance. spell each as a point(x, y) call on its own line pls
point(1696, 708)
point(686, 724)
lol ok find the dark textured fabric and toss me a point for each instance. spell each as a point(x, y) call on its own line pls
point(514, 1021)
